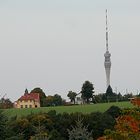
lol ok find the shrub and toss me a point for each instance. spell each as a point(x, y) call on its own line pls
point(79, 132)
point(114, 111)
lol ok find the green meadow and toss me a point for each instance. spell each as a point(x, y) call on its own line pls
point(100, 107)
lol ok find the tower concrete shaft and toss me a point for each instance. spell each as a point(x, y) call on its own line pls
point(107, 65)
point(107, 56)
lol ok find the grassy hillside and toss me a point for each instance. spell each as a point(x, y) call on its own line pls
point(101, 107)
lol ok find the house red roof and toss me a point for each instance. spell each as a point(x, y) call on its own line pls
point(30, 96)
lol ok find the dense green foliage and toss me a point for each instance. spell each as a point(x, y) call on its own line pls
point(56, 126)
point(5, 103)
point(127, 126)
point(72, 126)
point(110, 95)
point(72, 96)
point(55, 100)
point(114, 111)
point(87, 91)
point(79, 132)
point(3, 120)
point(106, 97)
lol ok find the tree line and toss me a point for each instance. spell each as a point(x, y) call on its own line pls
point(58, 126)
point(87, 95)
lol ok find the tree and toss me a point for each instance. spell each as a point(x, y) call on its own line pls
point(120, 97)
point(109, 91)
point(49, 100)
point(114, 111)
point(57, 100)
point(79, 132)
point(72, 96)
point(38, 121)
point(127, 127)
point(5, 103)
point(41, 95)
point(54, 100)
point(3, 121)
point(87, 91)
point(127, 96)
point(110, 95)
point(138, 95)
point(55, 135)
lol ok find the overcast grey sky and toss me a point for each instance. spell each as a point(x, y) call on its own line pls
point(58, 44)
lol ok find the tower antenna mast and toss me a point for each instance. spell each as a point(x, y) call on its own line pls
point(106, 32)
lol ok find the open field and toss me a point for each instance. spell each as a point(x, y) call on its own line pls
point(100, 107)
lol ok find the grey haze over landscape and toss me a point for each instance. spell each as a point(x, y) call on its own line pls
point(59, 44)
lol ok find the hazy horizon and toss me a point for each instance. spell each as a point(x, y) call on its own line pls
point(58, 45)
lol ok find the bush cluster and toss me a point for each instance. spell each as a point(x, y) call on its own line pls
point(56, 126)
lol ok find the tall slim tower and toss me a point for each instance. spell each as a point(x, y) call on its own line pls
point(107, 55)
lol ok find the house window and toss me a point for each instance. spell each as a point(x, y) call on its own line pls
point(26, 106)
point(21, 106)
point(30, 106)
point(35, 105)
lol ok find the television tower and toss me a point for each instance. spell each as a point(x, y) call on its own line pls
point(107, 55)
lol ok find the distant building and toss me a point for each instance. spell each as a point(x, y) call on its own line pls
point(28, 100)
point(78, 100)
